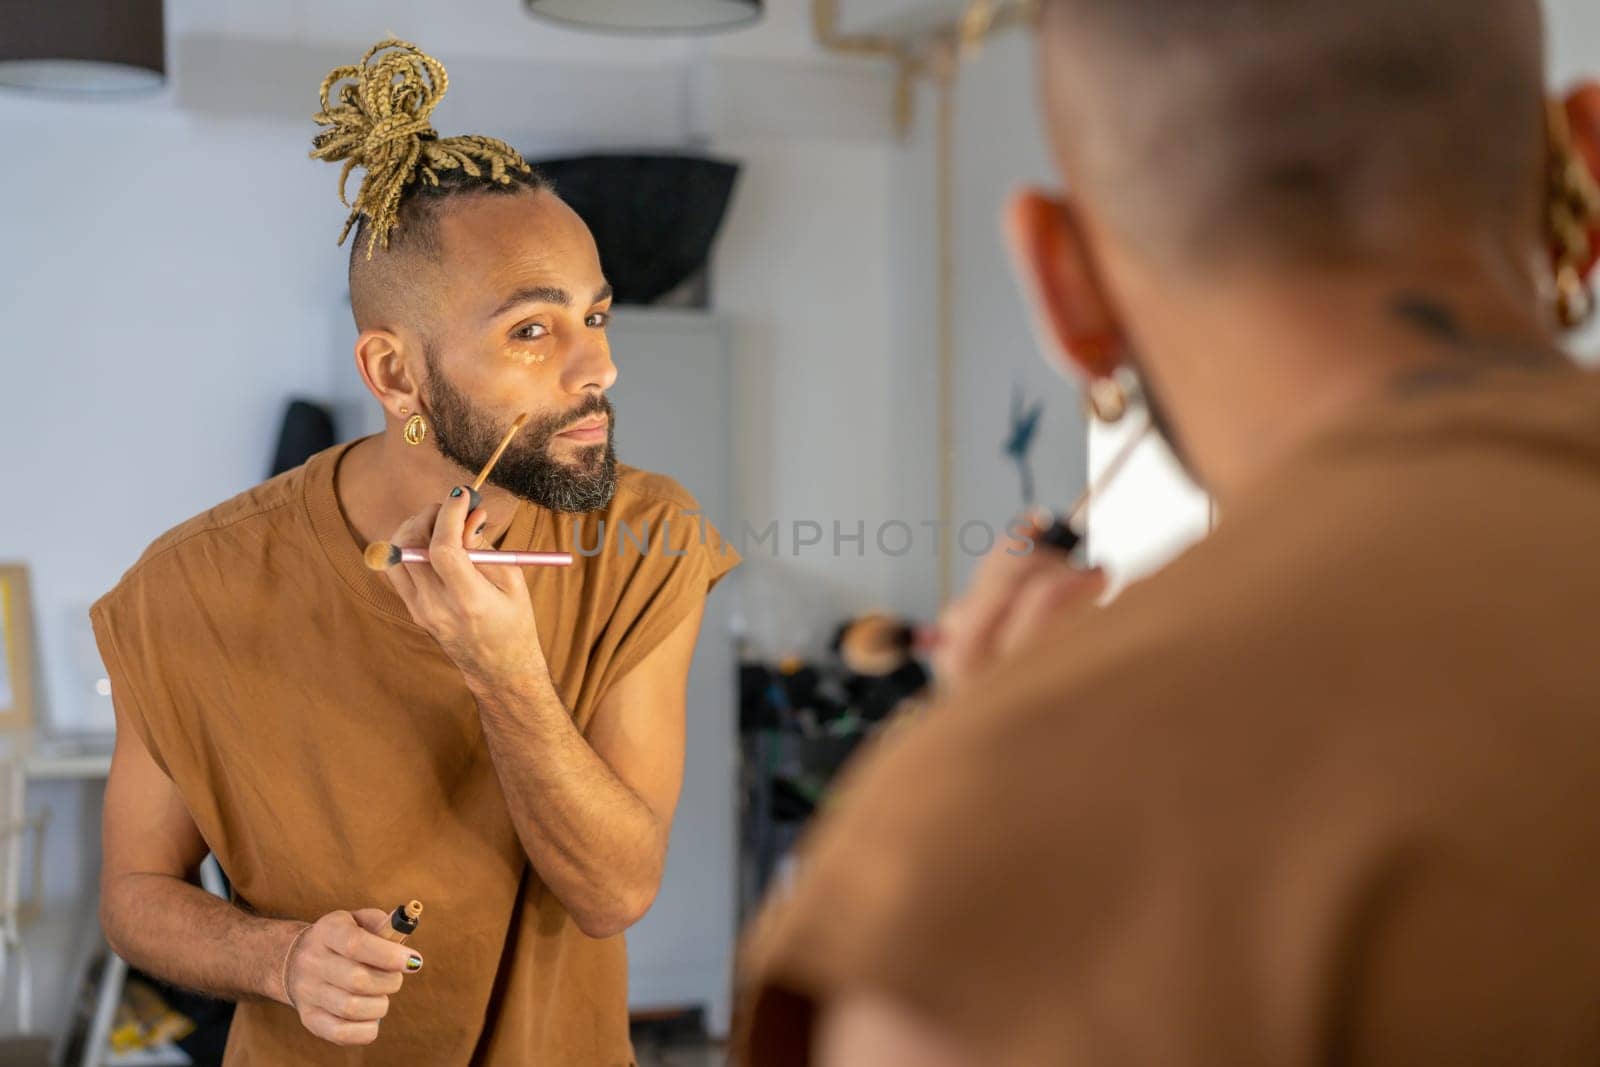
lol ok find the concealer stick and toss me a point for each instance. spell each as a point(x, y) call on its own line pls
point(1063, 533)
point(402, 922)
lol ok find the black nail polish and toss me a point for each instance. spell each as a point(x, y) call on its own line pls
point(479, 530)
point(475, 498)
point(456, 491)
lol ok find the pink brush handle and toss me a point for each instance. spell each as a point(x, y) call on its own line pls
point(483, 555)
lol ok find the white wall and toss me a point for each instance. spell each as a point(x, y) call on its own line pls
point(997, 147)
point(168, 279)
point(171, 276)
point(1154, 511)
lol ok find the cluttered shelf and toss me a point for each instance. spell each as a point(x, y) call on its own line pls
point(800, 722)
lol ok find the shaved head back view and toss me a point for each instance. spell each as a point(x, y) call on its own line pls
point(1225, 132)
point(1309, 794)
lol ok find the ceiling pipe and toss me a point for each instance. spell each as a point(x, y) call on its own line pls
point(935, 54)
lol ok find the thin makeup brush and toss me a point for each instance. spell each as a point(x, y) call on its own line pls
point(1066, 532)
point(476, 499)
point(1063, 533)
point(381, 555)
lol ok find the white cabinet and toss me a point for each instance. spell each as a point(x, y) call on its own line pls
point(673, 411)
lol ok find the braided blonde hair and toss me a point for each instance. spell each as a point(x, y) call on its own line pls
point(378, 119)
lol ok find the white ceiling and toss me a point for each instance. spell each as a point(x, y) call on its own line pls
point(501, 28)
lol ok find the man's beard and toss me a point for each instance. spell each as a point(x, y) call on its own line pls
point(528, 469)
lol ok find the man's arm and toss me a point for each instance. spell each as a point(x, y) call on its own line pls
point(153, 916)
point(341, 975)
point(592, 813)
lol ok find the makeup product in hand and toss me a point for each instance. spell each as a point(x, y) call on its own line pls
point(476, 498)
point(1065, 533)
point(381, 555)
point(402, 922)
point(877, 645)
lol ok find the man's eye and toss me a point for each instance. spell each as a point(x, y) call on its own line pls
point(598, 319)
point(531, 332)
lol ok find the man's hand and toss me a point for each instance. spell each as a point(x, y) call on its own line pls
point(1017, 588)
point(481, 616)
point(340, 975)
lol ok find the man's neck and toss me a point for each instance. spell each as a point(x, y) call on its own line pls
point(382, 482)
point(1258, 374)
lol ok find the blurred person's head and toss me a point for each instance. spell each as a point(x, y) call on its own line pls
point(1273, 208)
point(477, 291)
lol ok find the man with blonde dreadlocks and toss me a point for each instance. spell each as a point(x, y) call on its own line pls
point(505, 747)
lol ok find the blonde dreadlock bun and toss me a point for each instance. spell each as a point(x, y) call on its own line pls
point(377, 119)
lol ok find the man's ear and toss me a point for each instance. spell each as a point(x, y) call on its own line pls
point(381, 361)
point(1583, 117)
point(1056, 265)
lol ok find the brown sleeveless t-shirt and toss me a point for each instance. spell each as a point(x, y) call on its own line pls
point(1324, 791)
point(332, 757)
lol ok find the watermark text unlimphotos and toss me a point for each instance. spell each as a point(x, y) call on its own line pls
point(891, 538)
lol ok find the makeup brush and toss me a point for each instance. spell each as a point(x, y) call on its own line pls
point(878, 644)
point(381, 555)
point(475, 498)
point(1065, 533)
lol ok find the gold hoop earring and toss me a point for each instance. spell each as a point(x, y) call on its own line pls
point(416, 430)
point(1572, 215)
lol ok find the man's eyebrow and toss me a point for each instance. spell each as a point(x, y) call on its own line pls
point(546, 294)
point(534, 294)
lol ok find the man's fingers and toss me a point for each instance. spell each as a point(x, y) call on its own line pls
point(368, 948)
point(996, 580)
point(1043, 598)
point(509, 580)
point(419, 586)
point(447, 549)
point(372, 920)
point(357, 978)
point(477, 521)
point(381, 954)
point(339, 1031)
point(351, 1007)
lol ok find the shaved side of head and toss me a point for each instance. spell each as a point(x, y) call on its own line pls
point(397, 285)
point(1273, 134)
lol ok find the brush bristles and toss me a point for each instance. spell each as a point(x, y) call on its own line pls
point(381, 555)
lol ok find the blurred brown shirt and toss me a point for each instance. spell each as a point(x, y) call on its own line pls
point(1325, 790)
point(333, 759)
